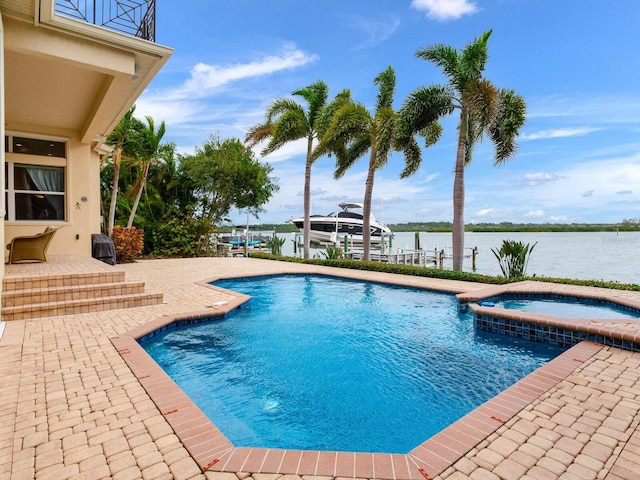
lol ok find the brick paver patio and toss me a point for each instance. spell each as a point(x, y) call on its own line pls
point(71, 406)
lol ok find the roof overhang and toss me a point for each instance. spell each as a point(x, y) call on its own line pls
point(64, 75)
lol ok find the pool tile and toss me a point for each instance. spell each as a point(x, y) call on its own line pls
point(382, 465)
point(291, 461)
point(236, 459)
point(404, 467)
point(308, 463)
point(345, 464)
point(272, 461)
point(326, 465)
point(364, 465)
point(255, 460)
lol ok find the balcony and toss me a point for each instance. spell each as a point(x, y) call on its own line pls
point(131, 17)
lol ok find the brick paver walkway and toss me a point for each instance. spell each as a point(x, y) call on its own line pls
point(71, 408)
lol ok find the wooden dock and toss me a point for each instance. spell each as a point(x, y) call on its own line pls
point(417, 258)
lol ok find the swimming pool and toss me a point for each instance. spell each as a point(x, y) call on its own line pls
point(378, 368)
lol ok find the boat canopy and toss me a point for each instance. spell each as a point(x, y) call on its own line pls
point(346, 206)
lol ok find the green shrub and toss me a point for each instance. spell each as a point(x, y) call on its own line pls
point(177, 237)
point(332, 253)
point(431, 272)
point(513, 257)
point(275, 244)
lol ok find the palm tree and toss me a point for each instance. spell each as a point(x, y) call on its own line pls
point(288, 121)
point(121, 139)
point(352, 132)
point(149, 149)
point(484, 110)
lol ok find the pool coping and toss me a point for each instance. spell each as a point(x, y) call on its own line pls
point(214, 452)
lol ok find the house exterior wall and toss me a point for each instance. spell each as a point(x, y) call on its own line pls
point(82, 202)
point(2, 120)
point(67, 81)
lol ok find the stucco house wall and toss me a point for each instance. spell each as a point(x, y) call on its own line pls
point(69, 82)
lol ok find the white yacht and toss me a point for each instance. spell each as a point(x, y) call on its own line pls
point(334, 227)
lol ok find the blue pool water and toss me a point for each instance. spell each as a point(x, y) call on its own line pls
point(566, 307)
point(315, 362)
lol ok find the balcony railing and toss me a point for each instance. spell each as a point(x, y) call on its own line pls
point(131, 17)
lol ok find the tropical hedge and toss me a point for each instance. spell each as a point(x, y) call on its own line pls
point(431, 272)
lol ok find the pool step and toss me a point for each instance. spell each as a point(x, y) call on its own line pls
point(51, 295)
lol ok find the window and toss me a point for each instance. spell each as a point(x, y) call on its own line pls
point(35, 188)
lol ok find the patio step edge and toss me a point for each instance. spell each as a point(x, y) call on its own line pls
point(85, 305)
point(10, 283)
point(14, 298)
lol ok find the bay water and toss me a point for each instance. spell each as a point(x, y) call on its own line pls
point(608, 256)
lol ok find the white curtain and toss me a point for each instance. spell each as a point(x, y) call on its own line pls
point(49, 180)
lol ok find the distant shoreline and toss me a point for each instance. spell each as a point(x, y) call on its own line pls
point(444, 227)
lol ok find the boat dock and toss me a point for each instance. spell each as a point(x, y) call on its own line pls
point(417, 258)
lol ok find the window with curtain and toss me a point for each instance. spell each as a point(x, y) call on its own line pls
point(39, 192)
point(35, 192)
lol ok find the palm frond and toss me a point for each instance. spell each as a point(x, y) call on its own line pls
point(291, 125)
point(386, 81)
point(431, 133)
point(280, 106)
point(473, 59)
point(348, 122)
point(443, 56)
point(351, 153)
point(316, 96)
point(422, 107)
point(257, 134)
point(324, 118)
point(384, 133)
point(412, 157)
point(480, 97)
point(510, 117)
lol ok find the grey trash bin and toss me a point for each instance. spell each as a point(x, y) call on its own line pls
point(102, 248)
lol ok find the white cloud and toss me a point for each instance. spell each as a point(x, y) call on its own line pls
point(558, 219)
point(493, 213)
point(558, 133)
point(625, 192)
point(182, 104)
point(288, 151)
point(588, 193)
point(535, 213)
point(314, 191)
point(445, 9)
point(599, 109)
point(377, 31)
point(207, 78)
point(538, 178)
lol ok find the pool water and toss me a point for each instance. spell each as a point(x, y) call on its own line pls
point(314, 362)
point(565, 307)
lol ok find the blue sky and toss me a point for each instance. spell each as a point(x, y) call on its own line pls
point(576, 63)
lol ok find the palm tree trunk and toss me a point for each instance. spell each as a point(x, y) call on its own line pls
point(366, 207)
point(458, 197)
point(117, 154)
point(143, 179)
point(306, 225)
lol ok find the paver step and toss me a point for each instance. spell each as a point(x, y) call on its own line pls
point(83, 305)
point(14, 298)
point(61, 280)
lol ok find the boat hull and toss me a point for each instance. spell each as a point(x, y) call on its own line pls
point(325, 232)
